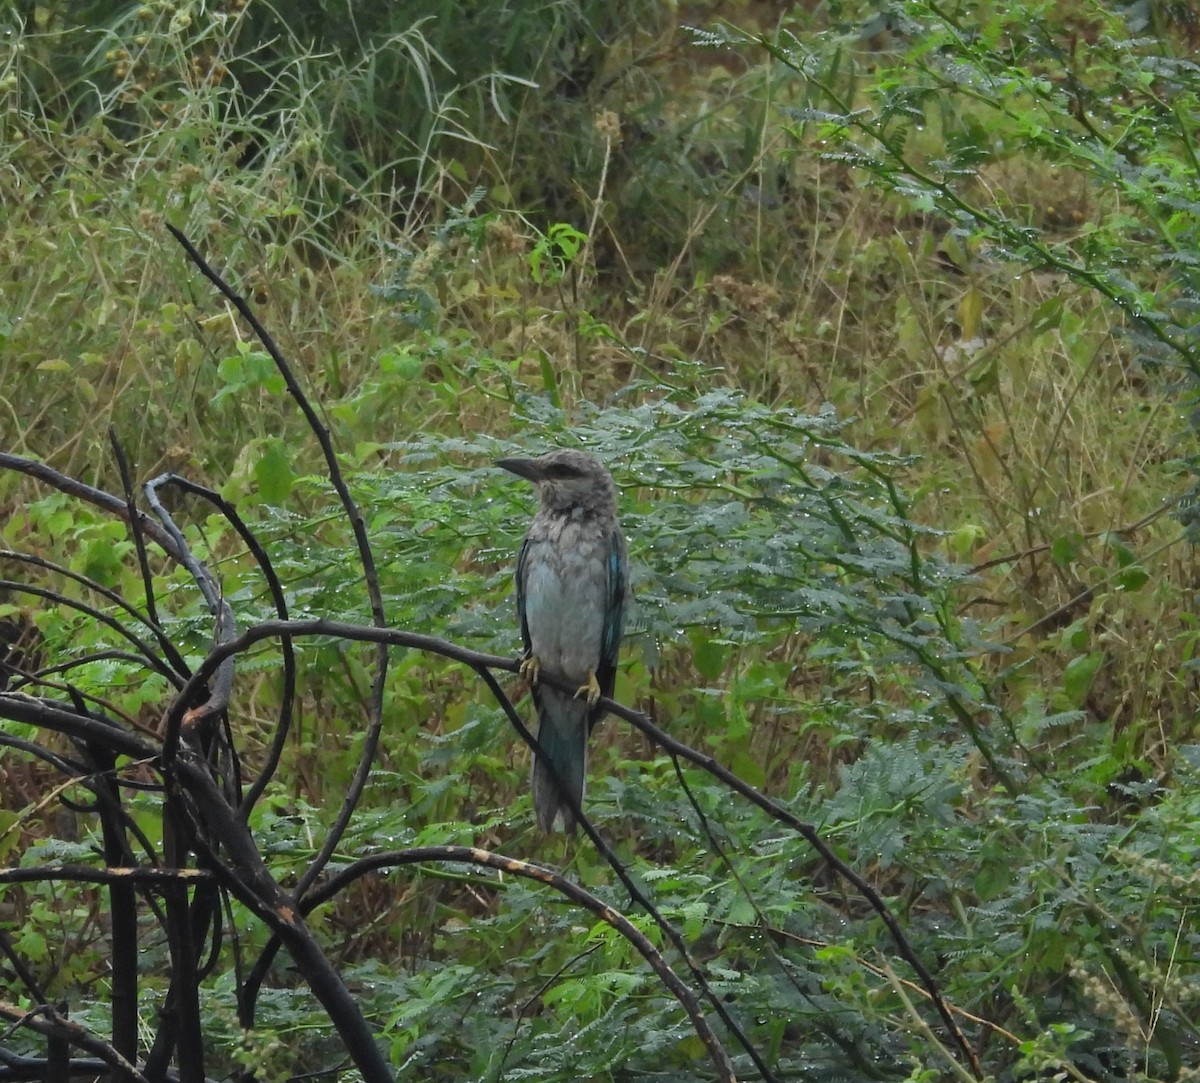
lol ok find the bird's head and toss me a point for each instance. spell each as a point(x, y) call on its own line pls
point(565, 479)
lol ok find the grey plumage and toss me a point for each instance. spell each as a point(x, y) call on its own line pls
point(571, 589)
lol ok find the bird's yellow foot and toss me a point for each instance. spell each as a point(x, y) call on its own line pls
point(529, 668)
point(589, 691)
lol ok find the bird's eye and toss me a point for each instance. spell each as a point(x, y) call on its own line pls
point(562, 472)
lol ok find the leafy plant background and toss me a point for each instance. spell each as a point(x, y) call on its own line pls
point(884, 318)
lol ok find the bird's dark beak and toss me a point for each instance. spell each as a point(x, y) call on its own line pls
point(523, 468)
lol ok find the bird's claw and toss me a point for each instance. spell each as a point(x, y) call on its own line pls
point(589, 691)
point(529, 668)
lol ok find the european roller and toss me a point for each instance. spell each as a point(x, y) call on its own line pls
point(572, 583)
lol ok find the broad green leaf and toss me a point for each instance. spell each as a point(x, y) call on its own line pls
point(1079, 674)
point(708, 656)
point(273, 473)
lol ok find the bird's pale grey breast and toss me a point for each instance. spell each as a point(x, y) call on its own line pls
point(566, 594)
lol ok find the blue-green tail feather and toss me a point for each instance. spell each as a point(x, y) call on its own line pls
point(562, 733)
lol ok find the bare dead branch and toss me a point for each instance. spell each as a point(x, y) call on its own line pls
point(278, 599)
point(96, 497)
point(365, 554)
point(52, 715)
point(48, 1021)
point(147, 656)
point(164, 643)
point(582, 898)
point(139, 541)
point(112, 874)
point(225, 625)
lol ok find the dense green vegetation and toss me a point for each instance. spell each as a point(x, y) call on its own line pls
point(885, 320)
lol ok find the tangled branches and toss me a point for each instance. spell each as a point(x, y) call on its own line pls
point(189, 760)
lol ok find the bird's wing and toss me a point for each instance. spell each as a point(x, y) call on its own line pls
point(521, 577)
point(614, 612)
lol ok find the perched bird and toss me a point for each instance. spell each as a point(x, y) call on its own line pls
point(572, 582)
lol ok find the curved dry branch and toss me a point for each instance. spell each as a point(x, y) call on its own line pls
point(366, 557)
point(241, 870)
point(47, 1020)
point(58, 717)
point(479, 662)
point(225, 624)
point(64, 483)
point(585, 899)
point(64, 766)
point(112, 874)
point(147, 656)
point(139, 542)
point(279, 600)
point(164, 643)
